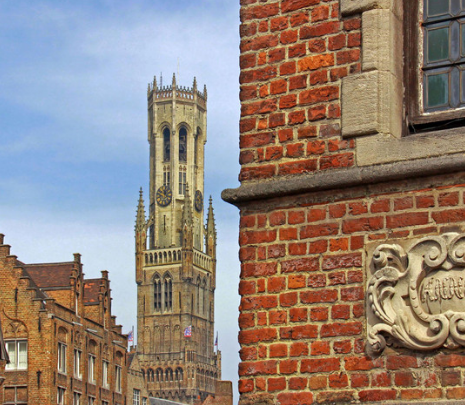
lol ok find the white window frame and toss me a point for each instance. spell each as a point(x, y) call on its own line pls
point(61, 396)
point(118, 385)
point(105, 375)
point(135, 397)
point(90, 400)
point(61, 358)
point(17, 352)
point(77, 398)
point(144, 401)
point(77, 364)
point(91, 369)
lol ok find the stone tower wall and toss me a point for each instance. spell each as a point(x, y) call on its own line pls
point(350, 228)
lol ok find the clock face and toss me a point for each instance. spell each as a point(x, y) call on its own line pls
point(198, 202)
point(164, 196)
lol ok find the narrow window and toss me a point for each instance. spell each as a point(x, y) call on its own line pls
point(157, 294)
point(77, 364)
point(91, 401)
point(182, 180)
point(76, 398)
point(117, 378)
point(168, 294)
point(61, 396)
point(166, 145)
point(91, 369)
point(183, 145)
point(105, 379)
point(136, 397)
point(61, 358)
point(166, 176)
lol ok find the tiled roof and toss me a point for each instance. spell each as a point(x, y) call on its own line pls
point(50, 275)
point(91, 290)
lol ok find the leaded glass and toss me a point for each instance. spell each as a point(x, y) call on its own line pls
point(438, 44)
point(438, 7)
point(437, 90)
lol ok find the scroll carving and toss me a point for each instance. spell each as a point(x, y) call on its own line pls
point(416, 296)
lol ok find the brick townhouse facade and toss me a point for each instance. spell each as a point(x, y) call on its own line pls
point(352, 204)
point(62, 340)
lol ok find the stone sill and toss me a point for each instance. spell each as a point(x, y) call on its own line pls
point(345, 178)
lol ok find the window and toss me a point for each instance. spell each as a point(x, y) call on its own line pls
point(157, 293)
point(166, 176)
point(61, 396)
point(166, 145)
point(61, 358)
point(91, 371)
point(136, 397)
point(435, 70)
point(105, 380)
point(77, 364)
point(76, 398)
point(16, 395)
point(118, 378)
point(183, 145)
point(17, 352)
point(90, 401)
point(144, 401)
point(182, 180)
point(168, 293)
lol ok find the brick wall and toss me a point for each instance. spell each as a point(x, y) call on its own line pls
point(293, 56)
point(310, 214)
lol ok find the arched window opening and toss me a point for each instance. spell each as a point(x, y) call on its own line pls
point(198, 295)
point(168, 294)
point(183, 145)
point(196, 146)
point(166, 145)
point(157, 293)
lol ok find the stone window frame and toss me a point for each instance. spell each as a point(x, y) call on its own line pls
point(378, 90)
point(417, 118)
point(61, 358)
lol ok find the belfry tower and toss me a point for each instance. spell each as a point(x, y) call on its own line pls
point(176, 252)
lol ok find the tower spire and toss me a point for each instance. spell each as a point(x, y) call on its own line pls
point(211, 231)
point(140, 217)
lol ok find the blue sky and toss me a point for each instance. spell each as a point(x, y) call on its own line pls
point(73, 136)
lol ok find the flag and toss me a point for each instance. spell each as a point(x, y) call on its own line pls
point(216, 340)
point(188, 331)
point(131, 336)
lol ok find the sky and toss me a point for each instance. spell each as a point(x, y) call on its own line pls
point(73, 132)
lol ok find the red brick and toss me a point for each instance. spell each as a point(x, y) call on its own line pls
point(297, 82)
point(247, 337)
point(317, 45)
point(261, 11)
point(342, 261)
point(319, 314)
point(317, 113)
point(298, 315)
point(295, 398)
point(288, 366)
point(318, 95)
point(407, 219)
point(276, 384)
point(298, 332)
point(319, 365)
point(293, 5)
point(254, 140)
point(315, 231)
point(278, 86)
point(377, 395)
point(315, 62)
point(444, 217)
point(320, 13)
point(287, 101)
point(297, 383)
point(318, 30)
point(338, 381)
point(299, 167)
point(341, 329)
point(306, 132)
point(258, 367)
point(312, 297)
point(319, 348)
point(298, 349)
point(362, 225)
point(298, 265)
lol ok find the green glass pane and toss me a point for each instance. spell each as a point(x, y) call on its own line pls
point(438, 7)
point(438, 90)
point(438, 44)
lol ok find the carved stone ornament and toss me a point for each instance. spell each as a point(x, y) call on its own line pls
point(416, 296)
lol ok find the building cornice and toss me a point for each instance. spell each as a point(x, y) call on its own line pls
point(345, 178)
